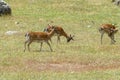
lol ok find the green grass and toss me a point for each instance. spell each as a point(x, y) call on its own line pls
point(94, 75)
point(82, 59)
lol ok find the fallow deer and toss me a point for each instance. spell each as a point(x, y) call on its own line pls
point(59, 32)
point(109, 29)
point(39, 37)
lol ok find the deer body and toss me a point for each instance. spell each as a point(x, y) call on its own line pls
point(39, 37)
point(108, 29)
point(59, 32)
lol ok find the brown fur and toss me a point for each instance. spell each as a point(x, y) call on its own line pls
point(60, 32)
point(108, 29)
point(39, 37)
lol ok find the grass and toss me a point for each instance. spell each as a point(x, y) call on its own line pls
point(82, 59)
point(94, 75)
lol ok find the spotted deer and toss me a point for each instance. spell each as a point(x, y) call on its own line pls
point(59, 32)
point(110, 30)
point(39, 37)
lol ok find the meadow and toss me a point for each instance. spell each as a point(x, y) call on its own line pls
point(82, 59)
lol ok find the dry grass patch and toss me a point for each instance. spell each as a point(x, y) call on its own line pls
point(29, 65)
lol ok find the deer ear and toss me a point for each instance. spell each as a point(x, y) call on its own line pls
point(49, 26)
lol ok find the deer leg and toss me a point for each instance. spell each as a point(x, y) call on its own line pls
point(49, 45)
point(29, 45)
point(41, 46)
point(27, 40)
point(25, 45)
point(102, 33)
point(112, 39)
point(58, 39)
point(50, 40)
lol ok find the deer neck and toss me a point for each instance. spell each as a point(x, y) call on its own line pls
point(66, 35)
point(51, 33)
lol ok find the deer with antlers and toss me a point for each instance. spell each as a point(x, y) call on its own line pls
point(59, 32)
point(39, 37)
point(109, 29)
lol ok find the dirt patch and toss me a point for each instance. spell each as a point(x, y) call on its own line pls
point(69, 67)
point(36, 66)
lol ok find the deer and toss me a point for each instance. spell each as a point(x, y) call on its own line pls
point(110, 30)
point(39, 37)
point(59, 32)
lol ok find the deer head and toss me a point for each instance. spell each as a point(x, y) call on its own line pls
point(70, 38)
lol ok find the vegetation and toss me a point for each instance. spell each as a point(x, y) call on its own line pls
point(82, 59)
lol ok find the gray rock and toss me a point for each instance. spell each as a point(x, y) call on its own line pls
point(5, 9)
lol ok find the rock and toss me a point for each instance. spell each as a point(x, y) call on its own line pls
point(5, 9)
point(11, 32)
